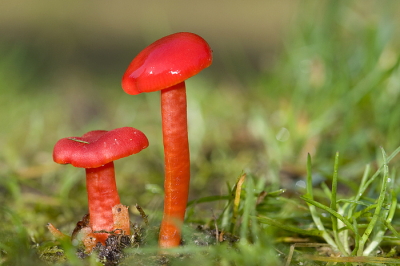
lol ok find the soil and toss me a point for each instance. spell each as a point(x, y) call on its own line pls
point(112, 252)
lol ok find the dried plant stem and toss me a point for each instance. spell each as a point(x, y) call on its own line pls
point(236, 202)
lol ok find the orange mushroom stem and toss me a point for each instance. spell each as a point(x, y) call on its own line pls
point(177, 163)
point(102, 197)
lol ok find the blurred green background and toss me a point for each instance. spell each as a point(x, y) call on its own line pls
point(288, 78)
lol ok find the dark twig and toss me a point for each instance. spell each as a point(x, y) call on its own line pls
point(143, 214)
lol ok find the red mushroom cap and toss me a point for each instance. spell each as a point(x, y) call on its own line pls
point(167, 62)
point(99, 147)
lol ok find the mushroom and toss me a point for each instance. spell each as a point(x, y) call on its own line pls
point(95, 151)
point(165, 65)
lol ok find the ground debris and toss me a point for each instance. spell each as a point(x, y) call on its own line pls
point(111, 253)
point(206, 236)
point(120, 249)
point(52, 255)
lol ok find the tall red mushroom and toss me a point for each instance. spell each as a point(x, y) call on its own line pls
point(165, 65)
point(95, 151)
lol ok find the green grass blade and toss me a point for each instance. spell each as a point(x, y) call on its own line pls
point(332, 212)
point(313, 211)
point(334, 207)
point(294, 229)
point(362, 212)
point(357, 238)
point(391, 228)
point(334, 191)
point(209, 199)
point(275, 193)
point(376, 216)
point(248, 208)
point(372, 179)
point(236, 202)
point(309, 178)
point(393, 206)
point(326, 190)
point(355, 202)
point(382, 228)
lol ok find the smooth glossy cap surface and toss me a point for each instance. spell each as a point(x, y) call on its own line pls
point(167, 62)
point(99, 147)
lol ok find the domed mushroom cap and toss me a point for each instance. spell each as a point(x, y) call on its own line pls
point(167, 62)
point(99, 147)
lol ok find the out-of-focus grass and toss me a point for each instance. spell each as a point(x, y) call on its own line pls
point(335, 87)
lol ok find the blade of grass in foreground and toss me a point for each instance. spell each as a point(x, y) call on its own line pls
point(363, 186)
point(313, 211)
point(236, 202)
point(362, 212)
point(248, 208)
point(208, 199)
point(360, 191)
point(372, 179)
point(357, 238)
point(275, 193)
point(333, 206)
point(391, 228)
point(332, 212)
point(378, 237)
point(376, 216)
point(356, 202)
point(294, 229)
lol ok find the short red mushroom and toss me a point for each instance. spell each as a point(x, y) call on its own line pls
point(95, 151)
point(165, 65)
